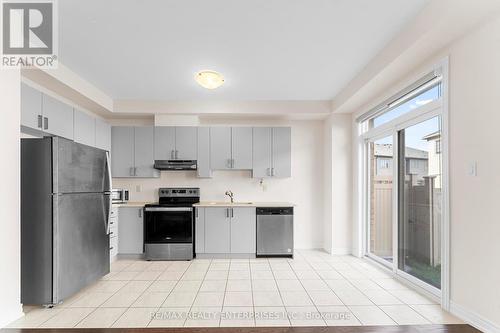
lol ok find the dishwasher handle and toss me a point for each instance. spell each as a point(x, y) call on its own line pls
point(274, 210)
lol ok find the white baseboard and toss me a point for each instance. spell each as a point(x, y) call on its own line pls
point(473, 319)
point(11, 316)
point(341, 251)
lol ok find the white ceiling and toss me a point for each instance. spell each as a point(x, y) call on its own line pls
point(266, 49)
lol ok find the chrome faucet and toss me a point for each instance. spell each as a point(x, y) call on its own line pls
point(230, 194)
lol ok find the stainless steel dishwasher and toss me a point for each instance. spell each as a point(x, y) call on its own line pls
point(275, 231)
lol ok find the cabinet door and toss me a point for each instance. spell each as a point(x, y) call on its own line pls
point(199, 230)
point(185, 142)
point(102, 135)
point(282, 147)
point(204, 152)
point(217, 230)
point(122, 151)
point(164, 143)
point(31, 107)
point(130, 230)
point(241, 145)
point(57, 117)
point(84, 125)
point(144, 154)
point(243, 230)
point(220, 148)
point(261, 152)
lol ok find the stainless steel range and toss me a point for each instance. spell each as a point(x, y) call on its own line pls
point(169, 224)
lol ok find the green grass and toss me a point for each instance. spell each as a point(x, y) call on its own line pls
point(424, 271)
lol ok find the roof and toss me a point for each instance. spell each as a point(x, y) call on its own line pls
point(386, 150)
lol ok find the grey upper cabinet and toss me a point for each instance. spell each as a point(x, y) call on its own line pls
point(57, 117)
point(199, 237)
point(262, 154)
point(102, 135)
point(122, 151)
point(132, 152)
point(164, 143)
point(84, 126)
point(130, 230)
point(31, 107)
point(272, 152)
point(217, 230)
point(282, 147)
point(243, 230)
point(204, 152)
point(144, 155)
point(241, 147)
point(186, 142)
point(220, 148)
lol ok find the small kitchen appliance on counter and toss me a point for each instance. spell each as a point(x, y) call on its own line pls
point(169, 224)
point(119, 195)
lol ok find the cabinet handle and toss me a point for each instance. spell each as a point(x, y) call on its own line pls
point(228, 163)
point(171, 154)
point(176, 154)
point(232, 213)
point(232, 163)
point(272, 171)
point(40, 121)
point(140, 212)
point(196, 210)
point(131, 171)
point(135, 171)
point(268, 172)
point(45, 123)
point(227, 212)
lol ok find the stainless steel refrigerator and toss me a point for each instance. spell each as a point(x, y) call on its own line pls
point(65, 209)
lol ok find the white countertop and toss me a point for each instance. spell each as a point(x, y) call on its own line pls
point(243, 204)
point(131, 204)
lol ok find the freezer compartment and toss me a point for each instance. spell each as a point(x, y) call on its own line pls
point(275, 231)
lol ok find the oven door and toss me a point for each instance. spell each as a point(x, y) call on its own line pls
point(168, 225)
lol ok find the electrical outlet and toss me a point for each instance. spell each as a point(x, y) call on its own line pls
point(138, 188)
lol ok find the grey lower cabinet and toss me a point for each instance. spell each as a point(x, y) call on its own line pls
point(175, 143)
point(225, 230)
point(272, 152)
point(84, 128)
point(130, 230)
point(132, 153)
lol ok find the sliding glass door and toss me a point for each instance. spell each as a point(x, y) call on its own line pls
point(420, 201)
point(381, 169)
point(404, 192)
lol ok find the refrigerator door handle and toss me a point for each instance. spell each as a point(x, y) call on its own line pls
point(107, 211)
point(108, 173)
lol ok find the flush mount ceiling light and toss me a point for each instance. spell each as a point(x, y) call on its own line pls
point(209, 79)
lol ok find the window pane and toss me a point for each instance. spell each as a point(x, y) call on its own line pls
point(419, 252)
point(381, 168)
point(417, 101)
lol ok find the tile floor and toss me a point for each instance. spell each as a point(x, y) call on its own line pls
point(314, 288)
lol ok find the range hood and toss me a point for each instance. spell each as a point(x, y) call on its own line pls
point(175, 165)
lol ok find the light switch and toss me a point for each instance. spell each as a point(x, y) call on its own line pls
point(472, 171)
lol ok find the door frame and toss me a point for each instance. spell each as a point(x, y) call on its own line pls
point(435, 108)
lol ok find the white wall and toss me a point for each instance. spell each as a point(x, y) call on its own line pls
point(304, 188)
point(474, 118)
point(337, 179)
point(10, 278)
